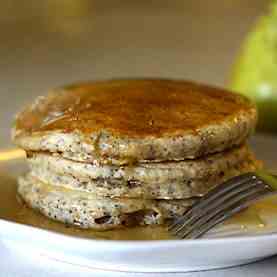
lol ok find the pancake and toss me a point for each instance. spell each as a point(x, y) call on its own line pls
point(85, 211)
point(135, 121)
point(122, 153)
point(169, 180)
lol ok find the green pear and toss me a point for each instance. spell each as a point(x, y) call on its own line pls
point(255, 71)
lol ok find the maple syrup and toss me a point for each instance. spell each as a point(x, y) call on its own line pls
point(136, 108)
point(260, 217)
point(13, 209)
point(257, 218)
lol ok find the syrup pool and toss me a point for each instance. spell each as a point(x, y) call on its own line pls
point(259, 218)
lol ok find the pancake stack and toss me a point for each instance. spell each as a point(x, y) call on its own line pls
point(123, 153)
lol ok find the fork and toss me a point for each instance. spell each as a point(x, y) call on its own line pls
point(223, 202)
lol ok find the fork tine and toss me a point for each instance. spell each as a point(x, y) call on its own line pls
point(201, 221)
point(216, 210)
point(190, 216)
point(215, 193)
point(214, 205)
point(227, 214)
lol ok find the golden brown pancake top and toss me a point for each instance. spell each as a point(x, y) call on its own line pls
point(134, 108)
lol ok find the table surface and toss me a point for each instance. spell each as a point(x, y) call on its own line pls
point(48, 43)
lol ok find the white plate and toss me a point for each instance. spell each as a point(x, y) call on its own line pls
point(142, 256)
point(137, 256)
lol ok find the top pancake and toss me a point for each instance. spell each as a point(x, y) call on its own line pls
point(124, 121)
